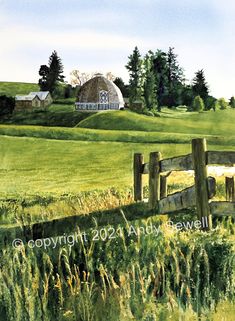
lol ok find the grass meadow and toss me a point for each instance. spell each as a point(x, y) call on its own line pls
point(51, 169)
point(17, 88)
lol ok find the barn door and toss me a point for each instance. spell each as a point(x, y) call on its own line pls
point(104, 97)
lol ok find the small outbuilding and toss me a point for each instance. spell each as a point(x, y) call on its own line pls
point(34, 100)
point(44, 96)
point(27, 102)
point(99, 94)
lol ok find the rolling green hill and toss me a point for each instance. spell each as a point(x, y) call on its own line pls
point(16, 88)
point(207, 123)
point(98, 135)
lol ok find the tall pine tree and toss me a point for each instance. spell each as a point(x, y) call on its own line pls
point(160, 73)
point(175, 79)
point(134, 67)
point(200, 87)
point(52, 74)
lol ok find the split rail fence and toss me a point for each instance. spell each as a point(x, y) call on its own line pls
point(199, 195)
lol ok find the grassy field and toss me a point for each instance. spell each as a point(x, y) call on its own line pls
point(39, 166)
point(53, 172)
point(86, 134)
point(214, 123)
point(124, 126)
point(17, 88)
point(33, 166)
point(69, 160)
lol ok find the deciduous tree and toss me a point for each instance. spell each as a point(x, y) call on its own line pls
point(198, 104)
point(149, 83)
point(122, 86)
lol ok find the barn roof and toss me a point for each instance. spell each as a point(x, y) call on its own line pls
point(41, 94)
point(26, 97)
point(90, 91)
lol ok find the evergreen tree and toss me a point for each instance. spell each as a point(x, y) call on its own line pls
point(200, 87)
point(175, 79)
point(52, 74)
point(232, 102)
point(149, 84)
point(134, 67)
point(160, 73)
point(187, 95)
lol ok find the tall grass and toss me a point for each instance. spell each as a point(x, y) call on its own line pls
point(133, 276)
point(137, 277)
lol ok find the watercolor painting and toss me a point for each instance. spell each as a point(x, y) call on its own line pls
point(117, 153)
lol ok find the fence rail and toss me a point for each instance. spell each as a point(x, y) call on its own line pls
point(159, 202)
point(198, 195)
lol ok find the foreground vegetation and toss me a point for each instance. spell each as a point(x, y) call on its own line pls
point(133, 276)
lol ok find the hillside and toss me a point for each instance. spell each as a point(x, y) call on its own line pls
point(14, 88)
point(98, 135)
point(205, 123)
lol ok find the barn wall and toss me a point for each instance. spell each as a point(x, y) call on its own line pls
point(22, 105)
point(27, 105)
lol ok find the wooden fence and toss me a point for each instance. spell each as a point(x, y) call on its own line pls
point(158, 169)
point(198, 195)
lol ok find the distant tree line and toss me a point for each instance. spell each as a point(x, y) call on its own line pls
point(157, 80)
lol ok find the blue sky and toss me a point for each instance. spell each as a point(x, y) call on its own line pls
point(99, 36)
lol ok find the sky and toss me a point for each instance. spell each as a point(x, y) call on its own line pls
point(99, 35)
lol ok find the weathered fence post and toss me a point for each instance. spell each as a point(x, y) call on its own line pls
point(138, 184)
point(163, 186)
point(200, 176)
point(229, 188)
point(154, 179)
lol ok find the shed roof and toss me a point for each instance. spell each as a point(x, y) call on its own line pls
point(41, 94)
point(26, 97)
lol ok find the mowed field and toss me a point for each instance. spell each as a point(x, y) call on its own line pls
point(50, 160)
